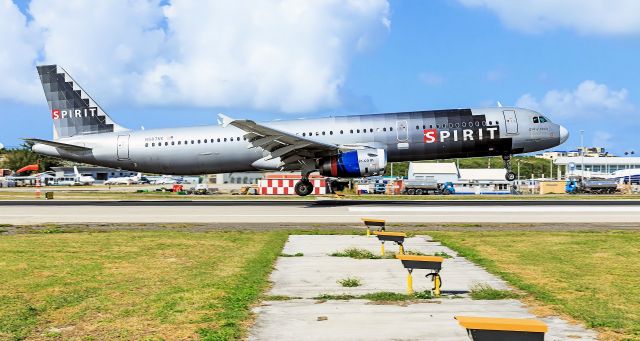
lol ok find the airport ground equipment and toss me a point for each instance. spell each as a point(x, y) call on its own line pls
point(503, 329)
point(396, 237)
point(428, 186)
point(591, 186)
point(433, 263)
point(48, 195)
point(371, 223)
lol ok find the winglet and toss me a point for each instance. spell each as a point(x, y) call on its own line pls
point(225, 120)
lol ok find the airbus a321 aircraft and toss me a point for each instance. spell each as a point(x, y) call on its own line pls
point(337, 147)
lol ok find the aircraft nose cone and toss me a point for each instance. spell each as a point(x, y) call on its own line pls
point(564, 134)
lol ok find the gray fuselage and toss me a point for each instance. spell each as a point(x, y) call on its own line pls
point(407, 136)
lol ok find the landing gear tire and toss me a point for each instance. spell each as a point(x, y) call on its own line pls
point(303, 187)
point(510, 176)
point(418, 191)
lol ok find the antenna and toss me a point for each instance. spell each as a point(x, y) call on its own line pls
point(499, 104)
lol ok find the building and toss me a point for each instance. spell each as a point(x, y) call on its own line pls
point(442, 172)
point(466, 181)
point(594, 152)
point(99, 173)
point(483, 181)
point(603, 167)
point(551, 155)
point(244, 178)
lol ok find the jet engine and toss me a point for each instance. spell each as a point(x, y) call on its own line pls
point(354, 163)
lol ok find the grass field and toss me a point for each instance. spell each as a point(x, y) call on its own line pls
point(132, 285)
point(593, 277)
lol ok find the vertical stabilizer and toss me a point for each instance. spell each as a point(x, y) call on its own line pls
point(73, 111)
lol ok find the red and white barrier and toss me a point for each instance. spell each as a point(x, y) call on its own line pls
point(284, 184)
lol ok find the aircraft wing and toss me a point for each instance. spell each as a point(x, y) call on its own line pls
point(65, 146)
point(290, 148)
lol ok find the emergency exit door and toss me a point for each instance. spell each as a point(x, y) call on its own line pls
point(510, 121)
point(123, 147)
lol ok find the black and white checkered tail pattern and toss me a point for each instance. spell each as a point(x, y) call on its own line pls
point(74, 112)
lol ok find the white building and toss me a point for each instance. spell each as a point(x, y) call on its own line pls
point(442, 172)
point(595, 166)
point(466, 181)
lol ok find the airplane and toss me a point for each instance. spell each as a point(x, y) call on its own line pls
point(337, 147)
point(82, 180)
point(125, 180)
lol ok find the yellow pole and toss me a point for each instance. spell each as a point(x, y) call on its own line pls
point(401, 249)
point(409, 284)
point(382, 249)
point(368, 231)
point(436, 285)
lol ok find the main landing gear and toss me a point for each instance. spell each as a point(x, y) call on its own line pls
point(304, 187)
point(510, 176)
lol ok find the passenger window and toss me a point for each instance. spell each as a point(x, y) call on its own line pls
point(390, 128)
point(417, 127)
point(371, 130)
point(323, 133)
point(205, 140)
point(225, 139)
point(464, 124)
point(358, 130)
point(430, 126)
point(146, 145)
point(330, 132)
point(535, 119)
point(173, 143)
point(384, 129)
point(153, 145)
point(450, 125)
point(484, 123)
point(457, 125)
point(179, 143)
point(304, 134)
point(198, 141)
point(341, 132)
point(218, 139)
point(238, 138)
point(351, 131)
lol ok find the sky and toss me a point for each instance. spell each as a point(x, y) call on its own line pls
point(152, 63)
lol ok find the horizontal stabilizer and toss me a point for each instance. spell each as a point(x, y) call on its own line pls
point(65, 146)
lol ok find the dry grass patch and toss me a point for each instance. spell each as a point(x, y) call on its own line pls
point(590, 276)
point(128, 285)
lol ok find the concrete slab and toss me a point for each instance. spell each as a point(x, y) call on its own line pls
point(310, 276)
point(361, 320)
point(317, 273)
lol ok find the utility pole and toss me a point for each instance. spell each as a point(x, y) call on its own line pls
point(582, 152)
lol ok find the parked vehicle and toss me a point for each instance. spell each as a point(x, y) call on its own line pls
point(428, 186)
point(591, 186)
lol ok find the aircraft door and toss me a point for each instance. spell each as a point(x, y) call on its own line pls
point(510, 121)
point(123, 147)
point(402, 131)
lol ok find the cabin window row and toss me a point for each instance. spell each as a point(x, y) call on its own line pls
point(187, 142)
point(351, 131)
point(457, 125)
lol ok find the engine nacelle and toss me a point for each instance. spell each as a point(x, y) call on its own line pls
point(354, 163)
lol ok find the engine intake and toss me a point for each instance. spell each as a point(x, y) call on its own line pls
point(354, 163)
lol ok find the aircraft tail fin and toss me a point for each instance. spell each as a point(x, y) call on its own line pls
point(76, 172)
point(73, 111)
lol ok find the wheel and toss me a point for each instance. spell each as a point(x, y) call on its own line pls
point(303, 188)
point(411, 191)
point(446, 191)
point(418, 191)
point(510, 176)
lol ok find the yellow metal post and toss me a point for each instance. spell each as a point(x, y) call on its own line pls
point(368, 231)
point(382, 249)
point(409, 284)
point(401, 249)
point(436, 285)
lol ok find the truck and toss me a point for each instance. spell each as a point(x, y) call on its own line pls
point(428, 186)
point(591, 186)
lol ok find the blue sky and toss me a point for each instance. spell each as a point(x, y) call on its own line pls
point(579, 68)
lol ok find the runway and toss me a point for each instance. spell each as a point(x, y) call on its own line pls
point(322, 211)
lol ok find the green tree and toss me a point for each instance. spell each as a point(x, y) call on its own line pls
point(23, 156)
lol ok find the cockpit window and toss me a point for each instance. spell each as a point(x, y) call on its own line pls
point(535, 119)
point(543, 119)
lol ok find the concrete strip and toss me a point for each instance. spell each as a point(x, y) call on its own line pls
point(361, 320)
point(317, 273)
point(24, 214)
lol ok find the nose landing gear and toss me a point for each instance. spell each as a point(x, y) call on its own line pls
point(510, 176)
point(303, 187)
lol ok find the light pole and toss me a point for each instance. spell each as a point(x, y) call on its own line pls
point(629, 164)
point(582, 152)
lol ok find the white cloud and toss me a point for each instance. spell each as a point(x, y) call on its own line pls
point(285, 55)
point(19, 42)
point(588, 99)
point(584, 16)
